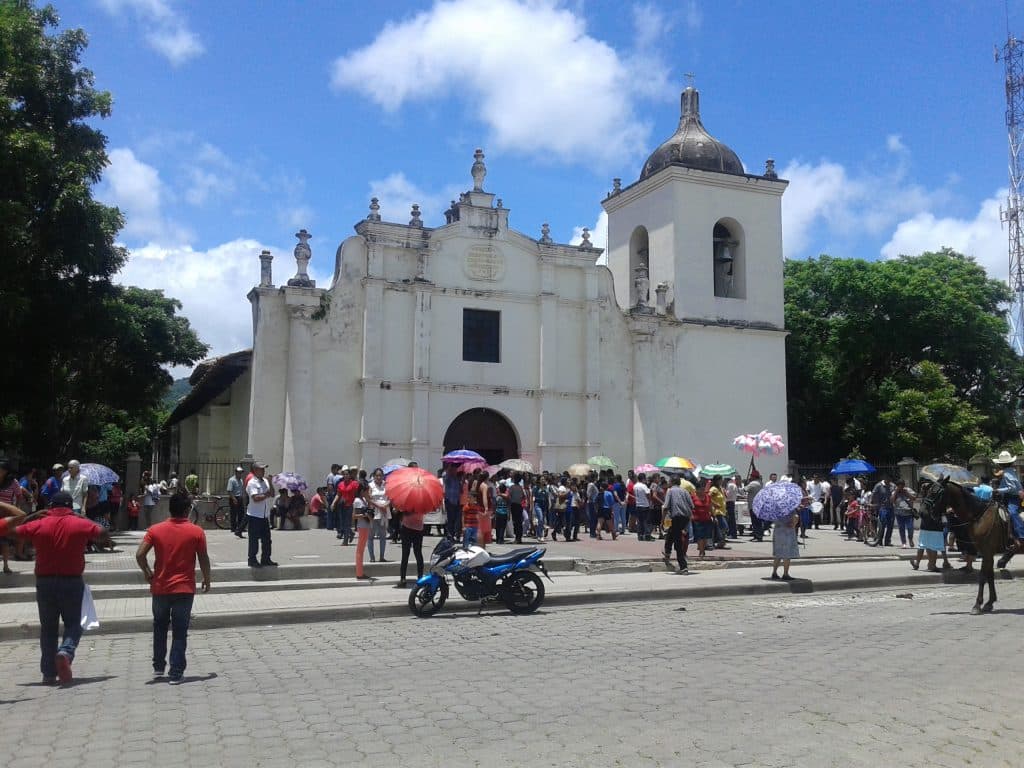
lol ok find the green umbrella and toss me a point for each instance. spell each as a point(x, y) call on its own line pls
point(710, 470)
point(602, 462)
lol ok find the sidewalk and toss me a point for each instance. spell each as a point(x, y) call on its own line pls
point(321, 546)
point(378, 598)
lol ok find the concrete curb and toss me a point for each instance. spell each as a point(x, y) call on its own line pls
point(395, 608)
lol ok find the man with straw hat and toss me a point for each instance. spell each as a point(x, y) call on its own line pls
point(1007, 488)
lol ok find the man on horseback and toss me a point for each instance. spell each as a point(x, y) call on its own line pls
point(1008, 490)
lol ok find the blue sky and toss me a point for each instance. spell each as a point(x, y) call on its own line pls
point(235, 123)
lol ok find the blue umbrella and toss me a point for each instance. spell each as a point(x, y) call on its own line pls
point(387, 469)
point(853, 467)
point(777, 501)
point(97, 474)
point(461, 456)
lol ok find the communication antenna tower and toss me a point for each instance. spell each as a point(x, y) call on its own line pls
point(1012, 57)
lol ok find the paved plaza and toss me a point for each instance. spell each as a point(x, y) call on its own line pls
point(851, 679)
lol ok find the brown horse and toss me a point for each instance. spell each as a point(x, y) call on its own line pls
point(987, 526)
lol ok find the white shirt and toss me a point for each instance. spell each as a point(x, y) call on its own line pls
point(378, 496)
point(258, 486)
point(814, 490)
point(642, 493)
point(731, 490)
point(78, 487)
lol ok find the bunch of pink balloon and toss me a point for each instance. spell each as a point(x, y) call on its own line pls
point(761, 443)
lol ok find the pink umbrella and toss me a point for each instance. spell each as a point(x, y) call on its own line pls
point(645, 469)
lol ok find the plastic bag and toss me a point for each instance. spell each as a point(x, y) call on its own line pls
point(89, 618)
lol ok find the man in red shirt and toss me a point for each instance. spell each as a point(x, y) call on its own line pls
point(347, 489)
point(60, 538)
point(172, 582)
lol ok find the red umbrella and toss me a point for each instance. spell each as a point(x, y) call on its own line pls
point(412, 489)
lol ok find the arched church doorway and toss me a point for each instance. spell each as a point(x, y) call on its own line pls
point(485, 431)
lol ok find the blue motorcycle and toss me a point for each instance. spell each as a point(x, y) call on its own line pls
point(480, 576)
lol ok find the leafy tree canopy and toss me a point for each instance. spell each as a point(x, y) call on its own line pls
point(89, 353)
point(902, 357)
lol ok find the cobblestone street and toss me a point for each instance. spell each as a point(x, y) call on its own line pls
point(803, 680)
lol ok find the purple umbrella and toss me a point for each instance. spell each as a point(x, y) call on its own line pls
point(777, 501)
point(289, 480)
point(461, 456)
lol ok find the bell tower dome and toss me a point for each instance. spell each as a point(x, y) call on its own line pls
point(699, 232)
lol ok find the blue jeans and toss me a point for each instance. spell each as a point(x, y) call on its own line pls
point(619, 518)
point(906, 523)
point(378, 530)
point(59, 598)
point(643, 522)
point(344, 523)
point(469, 536)
point(259, 538)
point(332, 515)
point(569, 528)
point(172, 611)
point(885, 523)
point(539, 519)
point(453, 515)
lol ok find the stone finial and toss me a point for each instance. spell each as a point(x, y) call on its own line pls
point(266, 277)
point(642, 286)
point(586, 239)
point(500, 204)
point(374, 214)
point(616, 186)
point(545, 233)
point(769, 169)
point(478, 171)
point(415, 221)
point(660, 292)
point(303, 254)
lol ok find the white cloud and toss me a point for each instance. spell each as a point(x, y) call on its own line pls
point(136, 188)
point(694, 17)
point(894, 143)
point(848, 204)
point(528, 70)
point(166, 29)
point(396, 194)
point(981, 237)
point(211, 285)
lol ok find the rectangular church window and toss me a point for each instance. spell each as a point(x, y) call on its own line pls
point(481, 335)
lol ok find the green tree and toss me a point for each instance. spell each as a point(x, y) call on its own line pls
point(86, 351)
point(859, 334)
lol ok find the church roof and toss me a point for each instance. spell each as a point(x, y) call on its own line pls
point(691, 146)
point(209, 379)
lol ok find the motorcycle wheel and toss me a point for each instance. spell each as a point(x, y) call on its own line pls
point(523, 592)
point(423, 604)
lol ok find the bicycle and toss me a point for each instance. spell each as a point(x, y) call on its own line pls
point(869, 527)
point(219, 515)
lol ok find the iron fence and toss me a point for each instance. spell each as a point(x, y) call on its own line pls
point(213, 474)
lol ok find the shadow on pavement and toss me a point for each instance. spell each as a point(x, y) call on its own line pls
point(185, 679)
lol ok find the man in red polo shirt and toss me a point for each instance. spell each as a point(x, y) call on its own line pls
point(60, 537)
point(347, 488)
point(172, 582)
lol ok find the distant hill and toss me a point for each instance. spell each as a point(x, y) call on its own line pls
point(175, 392)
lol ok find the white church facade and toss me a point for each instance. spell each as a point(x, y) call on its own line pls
point(473, 334)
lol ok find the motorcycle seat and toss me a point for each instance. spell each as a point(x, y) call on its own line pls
point(512, 557)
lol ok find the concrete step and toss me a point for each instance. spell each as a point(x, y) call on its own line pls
point(362, 600)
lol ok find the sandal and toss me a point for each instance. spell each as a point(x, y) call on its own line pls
point(915, 564)
point(933, 569)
